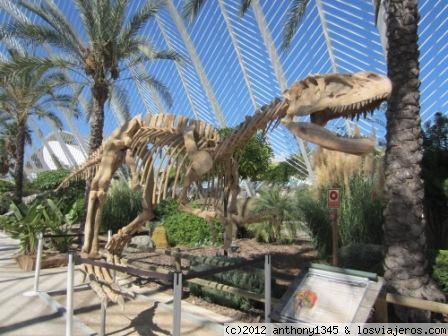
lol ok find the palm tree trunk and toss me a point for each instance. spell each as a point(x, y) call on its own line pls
point(100, 93)
point(20, 154)
point(405, 264)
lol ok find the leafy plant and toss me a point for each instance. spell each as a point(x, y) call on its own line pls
point(311, 210)
point(250, 279)
point(364, 257)
point(121, 207)
point(282, 228)
point(440, 269)
point(76, 212)
point(49, 180)
point(253, 157)
point(5, 201)
point(435, 176)
point(164, 208)
point(6, 186)
point(359, 218)
point(46, 182)
point(189, 230)
point(28, 221)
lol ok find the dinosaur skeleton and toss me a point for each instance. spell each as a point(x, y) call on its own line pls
point(169, 155)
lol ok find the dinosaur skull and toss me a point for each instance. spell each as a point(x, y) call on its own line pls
point(326, 97)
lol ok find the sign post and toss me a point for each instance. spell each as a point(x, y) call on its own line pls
point(333, 204)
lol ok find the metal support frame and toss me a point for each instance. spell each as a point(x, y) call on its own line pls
point(196, 62)
point(183, 80)
point(40, 238)
point(177, 300)
point(103, 318)
point(238, 52)
point(278, 70)
point(267, 288)
point(69, 303)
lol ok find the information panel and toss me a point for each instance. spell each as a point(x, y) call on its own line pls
point(322, 296)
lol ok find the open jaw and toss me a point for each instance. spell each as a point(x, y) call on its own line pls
point(331, 97)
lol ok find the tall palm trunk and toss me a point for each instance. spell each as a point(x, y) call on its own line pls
point(100, 93)
point(404, 225)
point(20, 154)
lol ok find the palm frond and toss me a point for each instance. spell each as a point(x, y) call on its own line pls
point(64, 27)
point(89, 110)
point(27, 64)
point(244, 7)
point(119, 101)
point(294, 16)
point(191, 8)
point(148, 11)
point(37, 35)
point(153, 54)
point(158, 86)
point(117, 17)
point(86, 13)
point(41, 113)
point(59, 31)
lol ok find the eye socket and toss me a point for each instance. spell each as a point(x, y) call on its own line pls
point(372, 76)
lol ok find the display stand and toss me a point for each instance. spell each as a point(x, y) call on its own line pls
point(327, 294)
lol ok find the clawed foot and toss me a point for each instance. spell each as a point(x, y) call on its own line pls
point(110, 285)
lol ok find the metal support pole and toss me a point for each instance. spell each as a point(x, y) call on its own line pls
point(334, 235)
point(267, 288)
point(103, 318)
point(177, 303)
point(69, 304)
point(109, 238)
point(40, 238)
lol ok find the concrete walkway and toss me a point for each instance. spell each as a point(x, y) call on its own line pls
point(27, 315)
point(149, 314)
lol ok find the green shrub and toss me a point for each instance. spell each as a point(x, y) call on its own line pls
point(364, 257)
point(189, 230)
point(6, 186)
point(76, 212)
point(46, 182)
point(314, 214)
point(28, 221)
point(360, 216)
point(5, 201)
point(49, 180)
point(283, 228)
point(165, 208)
point(249, 279)
point(440, 269)
point(121, 207)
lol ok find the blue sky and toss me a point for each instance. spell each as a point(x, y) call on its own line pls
point(355, 45)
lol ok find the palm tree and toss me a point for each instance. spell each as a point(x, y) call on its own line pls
point(112, 47)
point(29, 94)
point(8, 148)
point(404, 224)
point(294, 15)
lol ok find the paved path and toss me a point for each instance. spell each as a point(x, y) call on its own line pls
point(149, 314)
point(27, 315)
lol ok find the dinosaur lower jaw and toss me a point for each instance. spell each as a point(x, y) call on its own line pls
point(326, 139)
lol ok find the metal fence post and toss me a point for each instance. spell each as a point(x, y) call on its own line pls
point(177, 303)
point(109, 235)
point(267, 288)
point(69, 304)
point(103, 318)
point(40, 238)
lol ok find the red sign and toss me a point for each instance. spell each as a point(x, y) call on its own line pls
point(333, 199)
